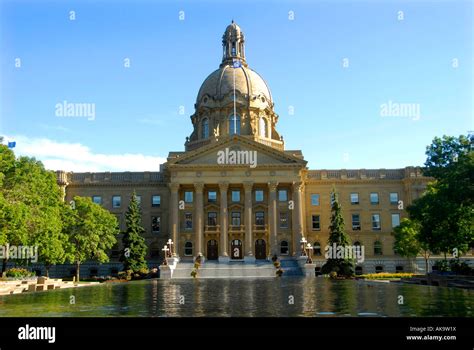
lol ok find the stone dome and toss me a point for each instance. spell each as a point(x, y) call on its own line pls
point(218, 114)
point(248, 82)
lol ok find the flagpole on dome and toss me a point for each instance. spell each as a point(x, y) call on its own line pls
point(235, 64)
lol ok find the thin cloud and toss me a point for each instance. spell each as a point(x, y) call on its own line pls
point(79, 158)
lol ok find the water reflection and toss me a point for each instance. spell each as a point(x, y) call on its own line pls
point(244, 297)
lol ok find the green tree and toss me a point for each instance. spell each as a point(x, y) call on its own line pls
point(91, 230)
point(337, 235)
point(135, 249)
point(31, 202)
point(407, 241)
point(446, 210)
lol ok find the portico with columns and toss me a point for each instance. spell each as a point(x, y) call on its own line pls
point(234, 212)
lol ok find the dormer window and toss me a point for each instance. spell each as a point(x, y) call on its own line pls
point(263, 127)
point(234, 125)
point(205, 128)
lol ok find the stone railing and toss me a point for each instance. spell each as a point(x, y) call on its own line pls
point(212, 228)
point(108, 177)
point(272, 143)
point(365, 174)
point(191, 145)
point(259, 227)
point(236, 228)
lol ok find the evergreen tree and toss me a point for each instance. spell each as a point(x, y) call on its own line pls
point(135, 249)
point(343, 266)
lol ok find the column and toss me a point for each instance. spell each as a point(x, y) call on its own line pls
point(297, 217)
point(224, 245)
point(198, 214)
point(248, 221)
point(174, 217)
point(272, 217)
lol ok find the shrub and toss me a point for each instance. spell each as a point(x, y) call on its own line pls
point(333, 274)
point(459, 267)
point(441, 265)
point(18, 272)
point(386, 275)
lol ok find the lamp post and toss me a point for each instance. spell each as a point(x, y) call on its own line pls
point(303, 243)
point(170, 244)
point(310, 248)
point(165, 249)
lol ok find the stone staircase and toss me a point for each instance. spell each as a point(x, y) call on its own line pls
point(233, 269)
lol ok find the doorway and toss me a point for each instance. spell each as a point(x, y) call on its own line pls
point(236, 249)
point(260, 249)
point(212, 250)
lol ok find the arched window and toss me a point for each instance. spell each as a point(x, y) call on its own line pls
point(188, 249)
point(263, 127)
point(205, 128)
point(317, 249)
point(284, 248)
point(234, 125)
point(378, 269)
point(377, 248)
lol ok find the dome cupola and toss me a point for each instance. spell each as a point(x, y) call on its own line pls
point(234, 99)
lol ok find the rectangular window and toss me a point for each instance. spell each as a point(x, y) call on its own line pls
point(212, 196)
point(139, 199)
point(283, 195)
point(97, 199)
point(235, 218)
point(212, 218)
point(155, 223)
point(376, 222)
point(283, 219)
point(259, 196)
point(374, 198)
point(235, 196)
point(260, 218)
point(316, 222)
point(116, 201)
point(188, 221)
point(188, 196)
point(355, 222)
point(155, 201)
point(395, 220)
point(354, 198)
point(393, 198)
point(315, 199)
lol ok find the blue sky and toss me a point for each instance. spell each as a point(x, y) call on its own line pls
point(425, 59)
